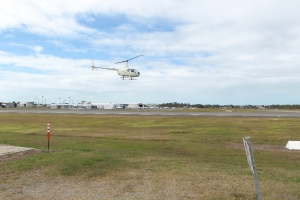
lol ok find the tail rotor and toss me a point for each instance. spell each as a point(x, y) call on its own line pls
point(93, 66)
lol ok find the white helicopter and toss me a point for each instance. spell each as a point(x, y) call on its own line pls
point(125, 72)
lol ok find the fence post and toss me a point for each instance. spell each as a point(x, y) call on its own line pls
point(48, 134)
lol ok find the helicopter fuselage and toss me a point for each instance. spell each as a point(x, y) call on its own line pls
point(127, 72)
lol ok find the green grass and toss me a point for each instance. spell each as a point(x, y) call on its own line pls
point(97, 146)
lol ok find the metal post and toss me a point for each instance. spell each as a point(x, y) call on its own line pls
point(259, 196)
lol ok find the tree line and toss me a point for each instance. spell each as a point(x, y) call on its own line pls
point(188, 105)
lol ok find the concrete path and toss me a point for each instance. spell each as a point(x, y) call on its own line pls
point(5, 149)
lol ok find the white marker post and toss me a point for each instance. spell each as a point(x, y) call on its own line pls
point(250, 158)
point(48, 134)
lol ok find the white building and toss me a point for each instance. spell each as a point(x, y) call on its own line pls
point(89, 105)
point(103, 105)
point(60, 106)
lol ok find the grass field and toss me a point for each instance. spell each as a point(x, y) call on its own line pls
point(150, 157)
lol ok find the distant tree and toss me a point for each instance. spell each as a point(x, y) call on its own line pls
point(198, 106)
point(187, 105)
point(15, 104)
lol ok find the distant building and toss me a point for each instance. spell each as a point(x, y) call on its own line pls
point(103, 105)
point(135, 105)
point(10, 105)
point(82, 105)
point(60, 106)
point(29, 105)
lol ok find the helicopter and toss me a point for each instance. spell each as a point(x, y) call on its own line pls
point(125, 72)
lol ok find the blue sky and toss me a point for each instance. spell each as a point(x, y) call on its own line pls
point(208, 52)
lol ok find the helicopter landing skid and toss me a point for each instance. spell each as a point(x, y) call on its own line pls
point(127, 78)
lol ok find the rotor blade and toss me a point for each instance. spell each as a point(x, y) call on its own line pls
point(128, 59)
point(121, 61)
point(134, 57)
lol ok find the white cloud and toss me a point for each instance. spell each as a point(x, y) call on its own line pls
point(35, 48)
point(66, 47)
point(165, 83)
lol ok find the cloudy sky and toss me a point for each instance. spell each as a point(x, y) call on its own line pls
point(203, 51)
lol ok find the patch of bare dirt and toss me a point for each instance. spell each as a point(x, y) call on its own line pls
point(18, 155)
point(260, 147)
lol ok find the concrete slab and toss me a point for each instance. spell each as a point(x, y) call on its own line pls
point(6, 149)
point(293, 145)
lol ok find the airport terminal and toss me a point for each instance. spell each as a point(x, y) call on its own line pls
point(81, 105)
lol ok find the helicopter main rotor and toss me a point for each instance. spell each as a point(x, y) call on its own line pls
point(128, 59)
